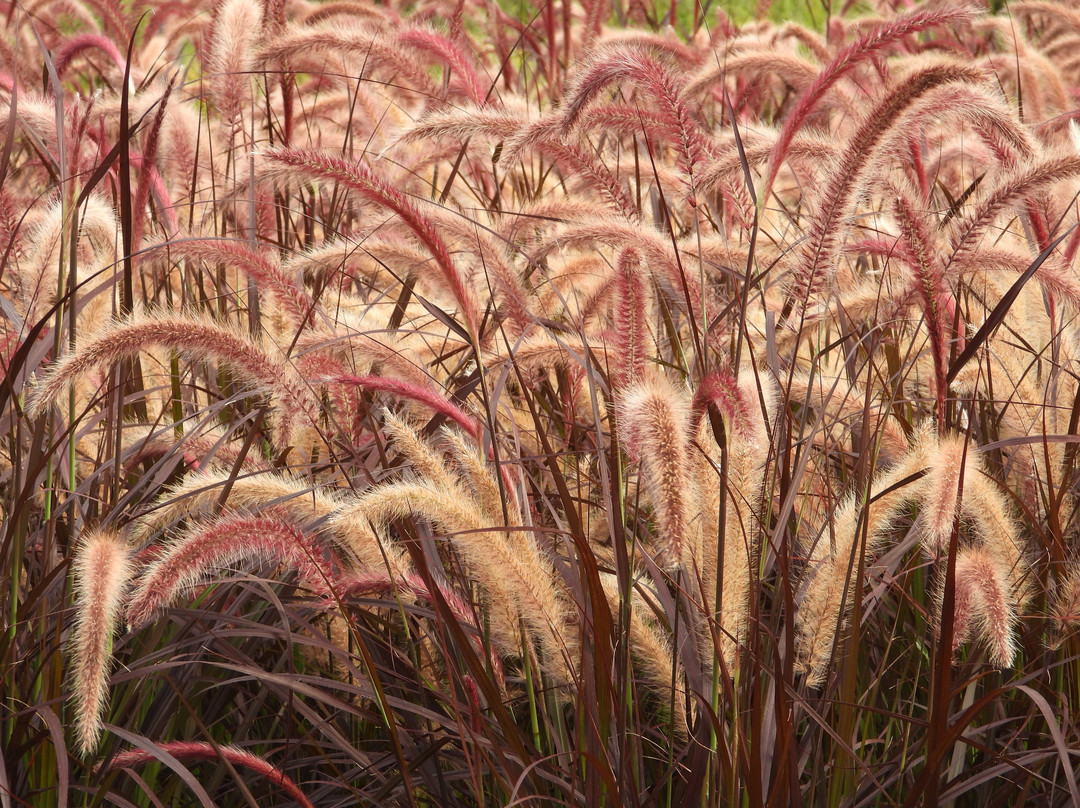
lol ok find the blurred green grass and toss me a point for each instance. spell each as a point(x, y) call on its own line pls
point(811, 13)
point(808, 13)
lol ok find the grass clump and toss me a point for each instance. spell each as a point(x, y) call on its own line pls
point(431, 404)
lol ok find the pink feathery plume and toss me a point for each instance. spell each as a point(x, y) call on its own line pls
point(594, 172)
point(186, 561)
point(655, 420)
point(460, 62)
point(75, 45)
point(721, 388)
point(848, 59)
point(1056, 275)
point(984, 605)
point(625, 119)
point(414, 392)
point(1066, 608)
point(637, 66)
point(261, 267)
point(102, 571)
point(818, 254)
point(201, 750)
point(359, 178)
point(929, 282)
point(1023, 181)
point(918, 168)
point(631, 290)
point(199, 337)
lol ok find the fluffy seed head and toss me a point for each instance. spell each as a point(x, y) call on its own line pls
point(201, 750)
point(1066, 609)
point(630, 322)
point(656, 420)
point(102, 571)
point(984, 605)
point(195, 335)
point(205, 549)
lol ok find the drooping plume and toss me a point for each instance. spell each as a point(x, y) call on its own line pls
point(102, 572)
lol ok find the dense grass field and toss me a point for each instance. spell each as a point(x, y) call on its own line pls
point(542, 403)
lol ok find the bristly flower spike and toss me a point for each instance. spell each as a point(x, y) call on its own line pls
point(630, 320)
point(867, 46)
point(102, 572)
point(656, 421)
point(204, 549)
point(201, 750)
point(361, 179)
point(196, 335)
point(818, 256)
